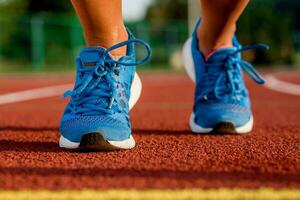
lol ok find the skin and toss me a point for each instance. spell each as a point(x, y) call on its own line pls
point(102, 27)
point(105, 27)
point(218, 25)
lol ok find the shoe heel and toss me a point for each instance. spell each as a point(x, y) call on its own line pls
point(95, 142)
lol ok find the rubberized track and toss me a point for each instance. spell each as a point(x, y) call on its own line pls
point(167, 155)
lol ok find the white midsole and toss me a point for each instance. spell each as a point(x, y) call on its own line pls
point(190, 70)
point(135, 93)
point(240, 130)
point(188, 59)
point(124, 144)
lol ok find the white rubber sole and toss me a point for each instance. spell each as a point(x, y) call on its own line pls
point(189, 67)
point(239, 130)
point(135, 93)
point(187, 58)
point(124, 144)
point(135, 90)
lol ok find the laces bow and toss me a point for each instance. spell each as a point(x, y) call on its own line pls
point(100, 82)
point(228, 80)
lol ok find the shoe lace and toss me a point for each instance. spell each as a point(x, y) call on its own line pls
point(100, 82)
point(224, 79)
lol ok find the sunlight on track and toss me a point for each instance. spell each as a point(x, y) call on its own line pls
point(32, 94)
point(184, 194)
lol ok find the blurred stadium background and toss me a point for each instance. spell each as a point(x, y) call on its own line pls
point(45, 35)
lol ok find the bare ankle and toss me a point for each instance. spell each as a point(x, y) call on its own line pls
point(210, 40)
point(207, 45)
point(204, 44)
point(107, 39)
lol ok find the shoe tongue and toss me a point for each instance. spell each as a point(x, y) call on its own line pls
point(219, 55)
point(90, 57)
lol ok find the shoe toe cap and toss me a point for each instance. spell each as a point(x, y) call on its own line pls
point(110, 128)
point(210, 116)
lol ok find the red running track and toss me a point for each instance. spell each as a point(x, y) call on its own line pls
point(167, 155)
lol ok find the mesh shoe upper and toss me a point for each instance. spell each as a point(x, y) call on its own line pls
point(99, 100)
point(220, 93)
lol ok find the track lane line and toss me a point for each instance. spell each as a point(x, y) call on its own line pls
point(273, 83)
point(38, 93)
point(154, 194)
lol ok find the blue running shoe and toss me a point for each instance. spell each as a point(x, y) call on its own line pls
point(97, 116)
point(221, 103)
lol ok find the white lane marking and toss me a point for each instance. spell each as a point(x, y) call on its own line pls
point(281, 86)
point(57, 90)
point(52, 91)
point(32, 94)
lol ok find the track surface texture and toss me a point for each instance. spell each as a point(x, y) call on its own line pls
point(167, 155)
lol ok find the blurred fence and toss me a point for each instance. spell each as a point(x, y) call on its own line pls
point(37, 43)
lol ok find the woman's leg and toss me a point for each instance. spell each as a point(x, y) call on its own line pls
point(218, 25)
point(102, 23)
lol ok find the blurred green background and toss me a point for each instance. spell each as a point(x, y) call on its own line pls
point(45, 35)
